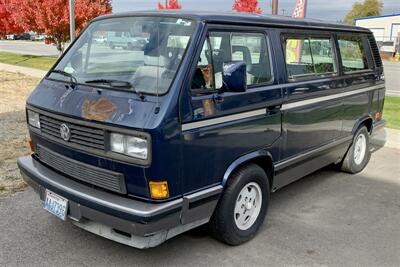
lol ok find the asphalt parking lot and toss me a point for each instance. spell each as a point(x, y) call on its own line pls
point(327, 218)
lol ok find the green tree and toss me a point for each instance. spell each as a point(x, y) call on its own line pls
point(366, 9)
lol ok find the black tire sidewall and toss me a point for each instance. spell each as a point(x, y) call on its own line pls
point(359, 167)
point(242, 177)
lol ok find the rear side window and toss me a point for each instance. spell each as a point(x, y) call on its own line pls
point(353, 53)
point(309, 56)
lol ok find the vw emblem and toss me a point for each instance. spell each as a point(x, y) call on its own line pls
point(65, 132)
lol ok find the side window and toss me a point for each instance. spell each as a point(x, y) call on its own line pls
point(251, 48)
point(353, 53)
point(203, 76)
point(309, 56)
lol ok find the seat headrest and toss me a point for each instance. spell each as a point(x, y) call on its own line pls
point(246, 55)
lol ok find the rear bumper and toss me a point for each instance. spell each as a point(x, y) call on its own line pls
point(378, 136)
point(132, 222)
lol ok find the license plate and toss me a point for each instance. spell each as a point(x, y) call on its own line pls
point(56, 204)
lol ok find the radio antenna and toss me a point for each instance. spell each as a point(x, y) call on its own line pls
point(158, 68)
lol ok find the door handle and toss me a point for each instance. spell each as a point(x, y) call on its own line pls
point(218, 98)
point(271, 110)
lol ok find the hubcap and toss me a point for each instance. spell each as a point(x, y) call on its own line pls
point(360, 149)
point(248, 206)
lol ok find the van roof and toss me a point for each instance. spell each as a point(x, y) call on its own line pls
point(244, 18)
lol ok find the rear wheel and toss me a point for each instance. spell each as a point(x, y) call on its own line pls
point(359, 153)
point(111, 45)
point(243, 206)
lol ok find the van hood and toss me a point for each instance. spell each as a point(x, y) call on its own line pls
point(92, 103)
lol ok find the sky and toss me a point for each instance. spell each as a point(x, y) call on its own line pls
point(332, 10)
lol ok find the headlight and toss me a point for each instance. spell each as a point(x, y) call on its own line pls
point(33, 119)
point(129, 145)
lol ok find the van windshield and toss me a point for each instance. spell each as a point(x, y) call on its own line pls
point(141, 53)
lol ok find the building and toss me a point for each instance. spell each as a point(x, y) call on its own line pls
point(386, 29)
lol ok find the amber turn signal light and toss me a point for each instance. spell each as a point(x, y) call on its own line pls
point(159, 190)
point(31, 146)
point(378, 116)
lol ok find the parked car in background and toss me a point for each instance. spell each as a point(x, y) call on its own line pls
point(100, 39)
point(125, 40)
point(23, 36)
point(10, 36)
point(201, 124)
point(388, 47)
point(38, 37)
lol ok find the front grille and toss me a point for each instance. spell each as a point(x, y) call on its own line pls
point(90, 174)
point(84, 136)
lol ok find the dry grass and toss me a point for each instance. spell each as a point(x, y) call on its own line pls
point(14, 89)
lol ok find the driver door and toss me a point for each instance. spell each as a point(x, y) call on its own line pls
point(223, 125)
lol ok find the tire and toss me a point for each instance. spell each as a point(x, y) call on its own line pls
point(130, 46)
point(227, 223)
point(359, 153)
point(112, 46)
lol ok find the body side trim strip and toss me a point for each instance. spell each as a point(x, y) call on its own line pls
point(278, 166)
point(223, 119)
point(257, 112)
point(329, 97)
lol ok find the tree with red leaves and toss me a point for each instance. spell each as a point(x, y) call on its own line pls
point(7, 24)
point(51, 17)
point(171, 4)
point(250, 6)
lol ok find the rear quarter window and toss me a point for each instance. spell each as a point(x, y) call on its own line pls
point(353, 53)
point(308, 56)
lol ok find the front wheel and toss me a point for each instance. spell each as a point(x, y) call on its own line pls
point(243, 206)
point(359, 153)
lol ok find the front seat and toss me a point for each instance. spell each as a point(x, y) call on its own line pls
point(246, 57)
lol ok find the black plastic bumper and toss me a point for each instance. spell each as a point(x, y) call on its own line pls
point(124, 214)
point(378, 136)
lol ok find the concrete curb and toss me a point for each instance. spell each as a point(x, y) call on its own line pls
point(392, 138)
point(24, 70)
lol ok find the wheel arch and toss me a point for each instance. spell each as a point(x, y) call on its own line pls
point(366, 121)
point(261, 157)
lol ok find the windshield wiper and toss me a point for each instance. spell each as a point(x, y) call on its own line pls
point(73, 81)
point(113, 83)
point(118, 84)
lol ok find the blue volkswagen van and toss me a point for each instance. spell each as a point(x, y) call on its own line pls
point(200, 123)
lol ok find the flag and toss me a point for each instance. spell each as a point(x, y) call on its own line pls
point(293, 47)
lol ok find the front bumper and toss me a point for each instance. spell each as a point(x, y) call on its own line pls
point(132, 222)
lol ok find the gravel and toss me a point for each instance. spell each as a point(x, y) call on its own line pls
point(14, 89)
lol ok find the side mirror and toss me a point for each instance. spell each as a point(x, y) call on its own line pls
point(234, 76)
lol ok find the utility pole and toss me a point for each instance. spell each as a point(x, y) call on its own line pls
point(274, 7)
point(72, 19)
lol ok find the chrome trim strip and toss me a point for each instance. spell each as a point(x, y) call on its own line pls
point(326, 98)
point(223, 119)
point(33, 171)
point(278, 166)
point(247, 114)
